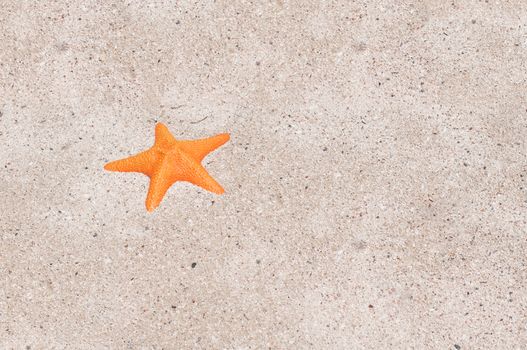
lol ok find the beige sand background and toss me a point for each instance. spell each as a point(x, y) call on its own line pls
point(376, 177)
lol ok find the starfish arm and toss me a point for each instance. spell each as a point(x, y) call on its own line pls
point(201, 178)
point(198, 149)
point(160, 182)
point(139, 163)
point(163, 138)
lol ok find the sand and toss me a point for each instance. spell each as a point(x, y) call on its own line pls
point(376, 177)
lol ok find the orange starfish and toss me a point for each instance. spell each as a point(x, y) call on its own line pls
point(170, 160)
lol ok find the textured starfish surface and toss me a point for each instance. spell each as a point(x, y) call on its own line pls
point(170, 160)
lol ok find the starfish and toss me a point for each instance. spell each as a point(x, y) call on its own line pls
point(170, 160)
